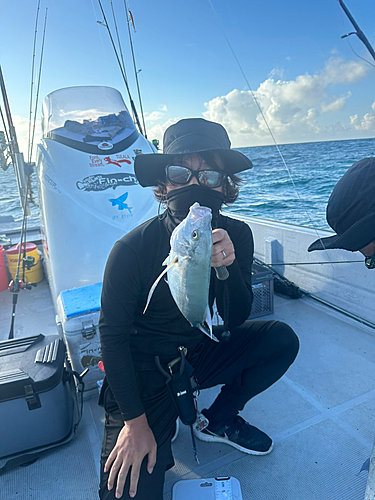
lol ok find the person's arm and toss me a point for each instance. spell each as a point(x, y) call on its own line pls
point(121, 288)
point(234, 295)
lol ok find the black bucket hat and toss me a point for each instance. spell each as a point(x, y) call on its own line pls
point(191, 135)
point(351, 209)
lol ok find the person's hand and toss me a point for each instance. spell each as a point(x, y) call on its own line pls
point(223, 249)
point(134, 442)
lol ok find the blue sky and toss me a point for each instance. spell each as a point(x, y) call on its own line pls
point(309, 83)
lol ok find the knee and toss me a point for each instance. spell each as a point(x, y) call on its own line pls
point(286, 340)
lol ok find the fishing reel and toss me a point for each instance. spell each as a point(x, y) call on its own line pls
point(20, 285)
point(29, 262)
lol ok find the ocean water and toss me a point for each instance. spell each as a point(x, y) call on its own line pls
point(296, 193)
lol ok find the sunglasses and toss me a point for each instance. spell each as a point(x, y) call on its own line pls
point(177, 174)
point(370, 261)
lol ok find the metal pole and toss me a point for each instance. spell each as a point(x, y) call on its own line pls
point(358, 32)
point(17, 157)
point(12, 130)
point(370, 487)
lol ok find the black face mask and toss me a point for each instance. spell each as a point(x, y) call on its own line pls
point(180, 200)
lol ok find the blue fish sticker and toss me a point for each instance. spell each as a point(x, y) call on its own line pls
point(120, 202)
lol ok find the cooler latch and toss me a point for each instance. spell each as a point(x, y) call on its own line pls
point(32, 399)
point(88, 329)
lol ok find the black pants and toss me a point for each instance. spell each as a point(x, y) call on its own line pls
point(248, 361)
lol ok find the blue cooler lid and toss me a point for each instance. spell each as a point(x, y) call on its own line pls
point(83, 300)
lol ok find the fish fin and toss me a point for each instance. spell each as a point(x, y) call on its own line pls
point(155, 284)
point(206, 325)
point(208, 319)
point(365, 466)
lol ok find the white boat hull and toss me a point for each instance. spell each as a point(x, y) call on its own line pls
point(350, 287)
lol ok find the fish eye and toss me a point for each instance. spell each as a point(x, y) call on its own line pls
point(195, 235)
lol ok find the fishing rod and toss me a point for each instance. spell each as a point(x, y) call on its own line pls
point(134, 64)
point(17, 285)
point(23, 172)
point(32, 81)
point(358, 31)
point(118, 39)
point(123, 65)
point(134, 110)
point(370, 486)
point(29, 193)
point(18, 163)
point(313, 263)
point(38, 87)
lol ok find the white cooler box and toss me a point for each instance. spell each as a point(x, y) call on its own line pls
point(78, 314)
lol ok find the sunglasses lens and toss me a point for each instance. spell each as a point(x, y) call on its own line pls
point(210, 178)
point(178, 174)
point(182, 175)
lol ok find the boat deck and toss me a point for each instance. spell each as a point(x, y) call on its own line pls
point(321, 415)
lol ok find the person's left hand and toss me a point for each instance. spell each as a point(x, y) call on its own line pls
point(223, 250)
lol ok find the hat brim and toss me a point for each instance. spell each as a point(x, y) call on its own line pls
point(150, 168)
point(361, 234)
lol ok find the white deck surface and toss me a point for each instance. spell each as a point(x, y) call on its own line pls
point(320, 415)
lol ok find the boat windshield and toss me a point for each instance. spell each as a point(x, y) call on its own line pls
point(89, 115)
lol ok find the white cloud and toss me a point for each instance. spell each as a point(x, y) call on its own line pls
point(365, 123)
point(295, 110)
point(336, 103)
point(336, 70)
point(22, 129)
point(276, 72)
point(157, 131)
point(156, 115)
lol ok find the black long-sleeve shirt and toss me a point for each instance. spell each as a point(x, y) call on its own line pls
point(130, 339)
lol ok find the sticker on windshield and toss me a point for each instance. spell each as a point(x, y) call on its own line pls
point(105, 146)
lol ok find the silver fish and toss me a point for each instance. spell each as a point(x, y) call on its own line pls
point(189, 268)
